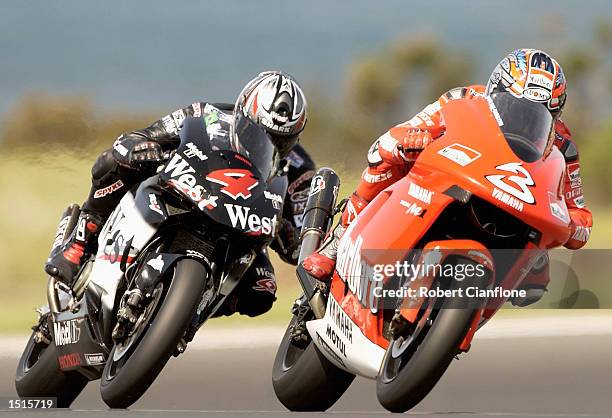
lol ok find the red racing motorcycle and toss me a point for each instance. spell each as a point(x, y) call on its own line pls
point(486, 198)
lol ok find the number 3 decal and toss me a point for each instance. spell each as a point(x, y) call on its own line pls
point(523, 181)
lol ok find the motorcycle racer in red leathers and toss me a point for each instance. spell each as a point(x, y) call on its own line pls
point(526, 73)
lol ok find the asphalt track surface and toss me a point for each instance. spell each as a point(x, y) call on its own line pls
point(516, 368)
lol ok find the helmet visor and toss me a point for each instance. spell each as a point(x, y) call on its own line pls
point(526, 125)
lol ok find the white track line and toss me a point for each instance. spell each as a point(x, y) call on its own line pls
point(269, 336)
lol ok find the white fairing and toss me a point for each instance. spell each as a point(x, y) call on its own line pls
point(124, 224)
point(343, 343)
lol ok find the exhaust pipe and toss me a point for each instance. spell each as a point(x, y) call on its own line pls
point(318, 218)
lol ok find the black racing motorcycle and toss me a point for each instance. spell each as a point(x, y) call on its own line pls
point(170, 254)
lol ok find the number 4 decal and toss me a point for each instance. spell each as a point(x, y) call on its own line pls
point(237, 182)
point(523, 181)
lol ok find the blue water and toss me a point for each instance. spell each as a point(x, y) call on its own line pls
point(154, 55)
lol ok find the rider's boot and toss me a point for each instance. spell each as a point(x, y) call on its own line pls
point(322, 262)
point(66, 260)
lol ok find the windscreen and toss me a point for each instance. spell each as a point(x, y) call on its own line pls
point(526, 125)
point(251, 141)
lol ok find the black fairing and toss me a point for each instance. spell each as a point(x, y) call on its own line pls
point(198, 211)
point(224, 185)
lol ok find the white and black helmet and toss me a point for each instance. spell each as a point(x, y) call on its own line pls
point(275, 101)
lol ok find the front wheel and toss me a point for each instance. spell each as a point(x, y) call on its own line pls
point(414, 363)
point(400, 387)
point(303, 379)
point(134, 364)
point(38, 375)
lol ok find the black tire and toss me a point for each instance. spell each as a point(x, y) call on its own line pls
point(432, 357)
point(38, 375)
point(428, 364)
point(158, 341)
point(304, 380)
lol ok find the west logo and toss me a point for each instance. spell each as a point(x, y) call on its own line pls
point(178, 166)
point(180, 170)
point(241, 216)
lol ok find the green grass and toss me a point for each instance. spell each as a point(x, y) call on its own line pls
point(33, 193)
point(34, 190)
point(18, 303)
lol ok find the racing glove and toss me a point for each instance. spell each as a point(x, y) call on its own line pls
point(413, 142)
point(135, 154)
point(579, 235)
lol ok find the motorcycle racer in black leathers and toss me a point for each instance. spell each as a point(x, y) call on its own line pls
point(275, 101)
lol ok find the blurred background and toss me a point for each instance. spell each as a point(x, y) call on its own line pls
point(75, 75)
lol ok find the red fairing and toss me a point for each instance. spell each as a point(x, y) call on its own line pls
point(387, 164)
point(405, 201)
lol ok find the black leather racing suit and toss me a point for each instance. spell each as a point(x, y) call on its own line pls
point(112, 178)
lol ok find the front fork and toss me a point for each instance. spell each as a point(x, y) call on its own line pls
point(441, 250)
point(52, 296)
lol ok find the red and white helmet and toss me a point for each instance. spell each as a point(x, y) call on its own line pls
point(275, 101)
point(531, 74)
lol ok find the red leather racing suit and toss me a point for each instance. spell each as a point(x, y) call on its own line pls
point(387, 163)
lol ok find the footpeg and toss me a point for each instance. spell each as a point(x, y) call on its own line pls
point(41, 331)
point(52, 270)
point(180, 348)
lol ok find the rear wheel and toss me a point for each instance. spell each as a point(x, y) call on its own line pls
point(303, 379)
point(134, 364)
point(38, 375)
